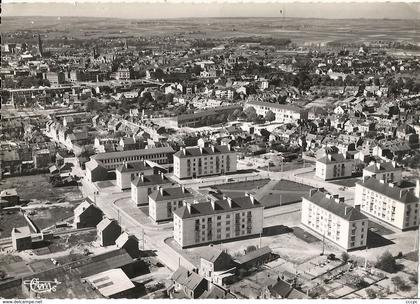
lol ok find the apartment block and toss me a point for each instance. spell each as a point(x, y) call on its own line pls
point(329, 217)
point(143, 185)
point(285, 113)
point(387, 171)
point(333, 166)
point(127, 172)
point(393, 203)
point(164, 201)
point(192, 162)
point(112, 160)
point(218, 220)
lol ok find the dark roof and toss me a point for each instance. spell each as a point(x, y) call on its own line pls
point(170, 193)
point(394, 191)
point(129, 153)
point(133, 167)
point(217, 292)
point(281, 288)
point(340, 209)
point(197, 151)
point(153, 179)
point(187, 278)
point(255, 254)
point(220, 206)
point(382, 167)
point(333, 158)
point(211, 254)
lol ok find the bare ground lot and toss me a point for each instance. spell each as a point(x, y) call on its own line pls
point(39, 194)
point(37, 188)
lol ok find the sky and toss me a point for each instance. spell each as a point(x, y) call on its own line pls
point(368, 10)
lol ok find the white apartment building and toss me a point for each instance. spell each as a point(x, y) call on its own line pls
point(112, 160)
point(332, 166)
point(164, 201)
point(285, 113)
point(216, 221)
point(191, 162)
point(388, 202)
point(127, 172)
point(329, 217)
point(143, 185)
point(387, 171)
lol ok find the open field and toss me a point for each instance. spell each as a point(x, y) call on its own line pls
point(297, 29)
point(36, 188)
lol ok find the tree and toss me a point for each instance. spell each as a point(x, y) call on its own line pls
point(371, 293)
point(250, 248)
point(414, 278)
point(386, 262)
point(270, 116)
point(400, 283)
point(345, 257)
point(251, 113)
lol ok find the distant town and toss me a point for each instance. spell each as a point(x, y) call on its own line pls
point(236, 167)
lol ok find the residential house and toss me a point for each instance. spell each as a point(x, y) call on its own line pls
point(87, 215)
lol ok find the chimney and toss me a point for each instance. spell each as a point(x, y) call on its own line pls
point(341, 200)
point(201, 150)
point(312, 192)
point(229, 200)
point(252, 198)
point(346, 210)
point(183, 189)
point(391, 185)
point(378, 166)
point(213, 204)
point(162, 176)
point(417, 190)
point(229, 147)
point(188, 206)
point(328, 196)
point(394, 163)
point(212, 148)
point(183, 150)
point(142, 176)
point(161, 190)
point(329, 156)
point(382, 181)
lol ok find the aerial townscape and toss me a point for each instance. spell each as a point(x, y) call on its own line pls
point(209, 158)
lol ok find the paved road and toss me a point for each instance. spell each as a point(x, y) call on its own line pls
point(117, 206)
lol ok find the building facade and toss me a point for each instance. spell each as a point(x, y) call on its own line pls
point(192, 162)
point(127, 172)
point(334, 166)
point(284, 113)
point(387, 171)
point(329, 217)
point(388, 202)
point(216, 221)
point(164, 201)
point(143, 185)
point(113, 160)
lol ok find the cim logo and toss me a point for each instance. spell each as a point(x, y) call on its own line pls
point(38, 286)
